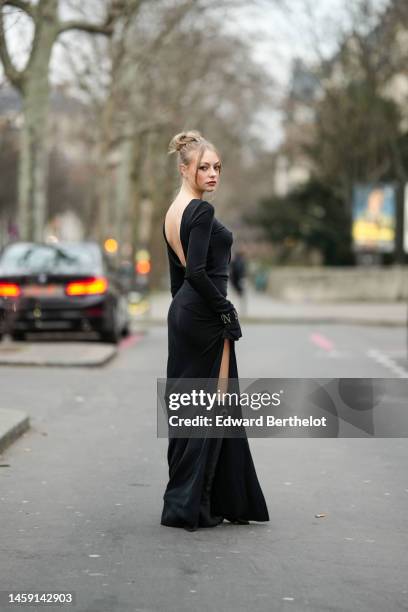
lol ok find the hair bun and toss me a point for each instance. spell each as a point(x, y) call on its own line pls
point(184, 138)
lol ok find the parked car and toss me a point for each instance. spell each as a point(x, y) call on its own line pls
point(61, 286)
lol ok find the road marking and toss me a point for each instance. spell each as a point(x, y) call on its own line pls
point(386, 361)
point(322, 342)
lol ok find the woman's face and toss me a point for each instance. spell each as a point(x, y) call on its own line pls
point(375, 201)
point(208, 173)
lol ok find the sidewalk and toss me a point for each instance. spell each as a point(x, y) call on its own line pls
point(56, 353)
point(262, 308)
point(13, 423)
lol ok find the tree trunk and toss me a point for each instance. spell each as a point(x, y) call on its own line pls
point(33, 169)
point(105, 176)
point(136, 191)
point(123, 191)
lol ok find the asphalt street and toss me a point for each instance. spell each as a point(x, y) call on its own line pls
point(81, 491)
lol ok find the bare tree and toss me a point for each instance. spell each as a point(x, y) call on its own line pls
point(218, 91)
point(346, 118)
point(33, 84)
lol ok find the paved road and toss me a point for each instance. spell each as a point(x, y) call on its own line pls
point(81, 498)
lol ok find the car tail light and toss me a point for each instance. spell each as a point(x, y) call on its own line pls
point(143, 266)
point(90, 286)
point(9, 290)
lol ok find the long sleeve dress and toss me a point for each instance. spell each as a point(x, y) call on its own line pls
point(195, 346)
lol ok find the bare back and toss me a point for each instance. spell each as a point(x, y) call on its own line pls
point(172, 223)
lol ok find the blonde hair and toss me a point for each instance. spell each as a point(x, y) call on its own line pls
point(187, 143)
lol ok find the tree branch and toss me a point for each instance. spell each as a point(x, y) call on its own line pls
point(14, 76)
point(118, 9)
point(23, 5)
point(84, 26)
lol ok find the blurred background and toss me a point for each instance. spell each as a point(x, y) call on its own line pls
point(306, 101)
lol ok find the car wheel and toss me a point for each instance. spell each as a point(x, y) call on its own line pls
point(18, 336)
point(111, 335)
point(126, 331)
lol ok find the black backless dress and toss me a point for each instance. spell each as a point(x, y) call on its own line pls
point(195, 346)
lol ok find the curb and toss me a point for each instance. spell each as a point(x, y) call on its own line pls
point(52, 362)
point(13, 423)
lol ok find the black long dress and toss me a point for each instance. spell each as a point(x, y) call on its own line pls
point(195, 346)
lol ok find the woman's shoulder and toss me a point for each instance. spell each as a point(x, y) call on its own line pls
point(201, 214)
point(202, 207)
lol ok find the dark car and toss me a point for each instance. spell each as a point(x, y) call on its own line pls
point(61, 286)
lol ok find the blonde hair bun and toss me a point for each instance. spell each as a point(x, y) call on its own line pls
point(184, 138)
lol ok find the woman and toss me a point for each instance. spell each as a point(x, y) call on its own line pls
point(210, 479)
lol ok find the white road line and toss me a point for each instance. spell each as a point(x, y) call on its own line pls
point(387, 362)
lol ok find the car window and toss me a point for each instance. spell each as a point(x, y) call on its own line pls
point(76, 258)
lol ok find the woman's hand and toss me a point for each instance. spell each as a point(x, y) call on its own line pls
point(232, 328)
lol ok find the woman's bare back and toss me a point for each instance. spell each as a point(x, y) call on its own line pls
point(172, 223)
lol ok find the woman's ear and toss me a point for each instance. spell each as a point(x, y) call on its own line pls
point(183, 170)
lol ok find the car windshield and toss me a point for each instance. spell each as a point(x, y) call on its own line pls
point(59, 259)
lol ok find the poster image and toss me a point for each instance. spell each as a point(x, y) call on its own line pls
point(405, 238)
point(373, 217)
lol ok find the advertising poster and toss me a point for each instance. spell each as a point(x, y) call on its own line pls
point(373, 217)
point(405, 222)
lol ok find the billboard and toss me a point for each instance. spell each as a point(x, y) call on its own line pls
point(373, 217)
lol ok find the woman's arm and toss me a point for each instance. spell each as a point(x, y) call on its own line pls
point(196, 261)
point(196, 273)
